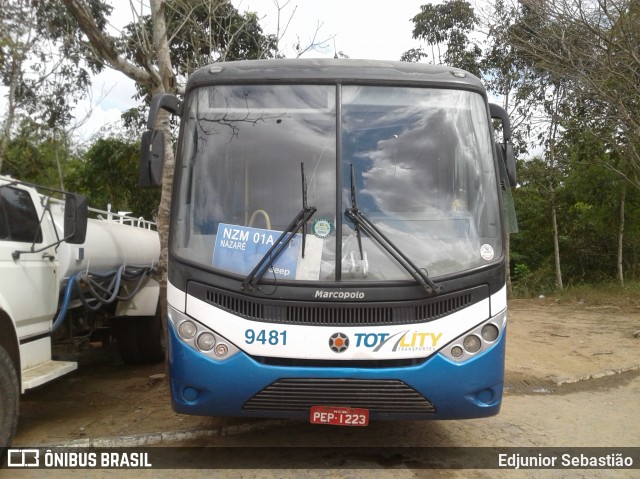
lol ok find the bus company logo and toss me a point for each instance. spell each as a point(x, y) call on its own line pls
point(338, 342)
point(402, 341)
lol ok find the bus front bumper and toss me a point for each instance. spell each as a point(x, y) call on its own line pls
point(206, 387)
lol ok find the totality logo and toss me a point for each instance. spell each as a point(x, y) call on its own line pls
point(338, 342)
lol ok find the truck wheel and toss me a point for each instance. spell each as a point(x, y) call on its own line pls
point(125, 333)
point(151, 339)
point(140, 339)
point(9, 401)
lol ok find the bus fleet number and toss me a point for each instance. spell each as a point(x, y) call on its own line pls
point(272, 337)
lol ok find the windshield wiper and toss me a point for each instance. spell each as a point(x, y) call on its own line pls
point(361, 222)
point(299, 222)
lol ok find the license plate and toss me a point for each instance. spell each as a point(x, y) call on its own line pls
point(339, 416)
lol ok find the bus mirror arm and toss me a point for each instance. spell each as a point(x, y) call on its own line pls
point(165, 101)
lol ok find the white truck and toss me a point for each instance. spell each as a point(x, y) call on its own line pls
point(64, 275)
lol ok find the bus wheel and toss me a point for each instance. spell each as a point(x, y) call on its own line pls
point(9, 401)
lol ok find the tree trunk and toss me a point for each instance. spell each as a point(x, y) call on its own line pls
point(623, 195)
point(156, 73)
point(556, 246)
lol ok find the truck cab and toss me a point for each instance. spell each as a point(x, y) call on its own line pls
point(59, 268)
point(32, 276)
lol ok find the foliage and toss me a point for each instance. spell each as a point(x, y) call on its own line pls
point(31, 154)
point(594, 43)
point(202, 32)
point(445, 28)
point(108, 174)
point(56, 75)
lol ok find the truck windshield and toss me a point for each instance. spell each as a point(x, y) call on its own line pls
point(420, 160)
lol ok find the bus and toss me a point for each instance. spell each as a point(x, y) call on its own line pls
point(336, 250)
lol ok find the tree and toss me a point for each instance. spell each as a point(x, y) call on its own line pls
point(445, 28)
point(44, 80)
point(158, 51)
point(16, 39)
point(35, 153)
point(595, 43)
point(108, 174)
point(532, 252)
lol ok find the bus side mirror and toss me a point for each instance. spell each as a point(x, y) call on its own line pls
point(510, 162)
point(75, 219)
point(152, 144)
point(151, 158)
point(506, 148)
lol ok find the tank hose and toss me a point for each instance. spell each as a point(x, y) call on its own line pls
point(111, 291)
point(65, 304)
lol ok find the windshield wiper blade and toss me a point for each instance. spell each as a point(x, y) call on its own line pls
point(363, 223)
point(354, 207)
point(298, 223)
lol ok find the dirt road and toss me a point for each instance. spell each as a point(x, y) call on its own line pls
point(573, 379)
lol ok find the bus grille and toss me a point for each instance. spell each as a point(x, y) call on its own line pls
point(315, 313)
point(379, 396)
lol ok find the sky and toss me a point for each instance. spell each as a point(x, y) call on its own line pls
point(372, 29)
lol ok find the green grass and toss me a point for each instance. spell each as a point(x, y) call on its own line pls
point(625, 296)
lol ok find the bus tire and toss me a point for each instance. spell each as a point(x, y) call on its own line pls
point(9, 401)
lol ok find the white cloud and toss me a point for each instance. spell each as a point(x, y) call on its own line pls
point(373, 29)
point(112, 94)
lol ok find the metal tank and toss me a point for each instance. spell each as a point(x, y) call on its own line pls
point(112, 241)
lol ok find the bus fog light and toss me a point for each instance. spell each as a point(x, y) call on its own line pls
point(187, 330)
point(457, 352)
point(472, 343)
point(206, 341)
point(222, 350)
point(490, 332)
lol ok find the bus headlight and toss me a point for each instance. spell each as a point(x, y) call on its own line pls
point(490, 332)
point(479, 339)
point(206, 341)
point(187, 330)
point(472, 344)
point(199, 337)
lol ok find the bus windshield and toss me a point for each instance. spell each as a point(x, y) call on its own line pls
point(418, 162)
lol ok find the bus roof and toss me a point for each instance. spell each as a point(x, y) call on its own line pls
point(325, 70)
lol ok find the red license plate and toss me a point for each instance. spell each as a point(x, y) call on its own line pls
point(339, 416)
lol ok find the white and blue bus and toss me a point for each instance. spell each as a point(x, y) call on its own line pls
point(336, 242)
